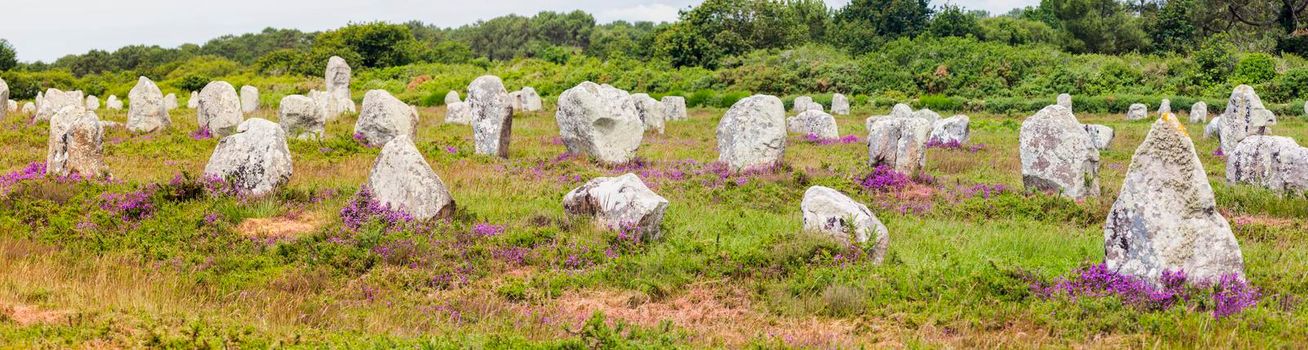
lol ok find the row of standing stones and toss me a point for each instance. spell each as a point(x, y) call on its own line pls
point(1164, 218)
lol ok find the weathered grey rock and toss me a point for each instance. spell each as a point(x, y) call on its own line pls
point(753, 133)
point(194, 101)
point(55, 100)
point(1245, 116)
point(492, 116)
point(1273, 162)
point(458, 113)
point(621, 203)
point(10, 109)
point(170, 102)
point(1165, 218)
point(674, 108)
point(452, 97)
point(40, 97)
point(4, 96)
point(600, 121)
point(1164, 107)
point(323, 102)
point(649, 111)
point(337, 78)
point(899, 142)
point(76, 144)
point(402, 179)
point(515, 101)
point(839, 104)
point(29, 108)
point(928, 115)
point(831, 212)
point(1058, 155)
point(146, 111)
point(816, 123)
point(249, 99)
point(218, 108)
point(92, 102)
point(108, 124)
point(113, 103)
point(1138, 111)
point(803, 103)
point(530, 100)
point(901, 110)
point(383, 118)
point(953, 129)
point(1102, 135)
point(254, 160)
point(1199, 113)
point(300, 117)
point(1065, 100)
point(1214, 128)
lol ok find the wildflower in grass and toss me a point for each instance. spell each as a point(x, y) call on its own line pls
point(33, 170)
point(362, 140)
point(210, 218)
point(451, 150)
point(203, 133)
point(487, 230)
point(130, 206)
point(1218, 153)
point(573, 262)
point(1231, 295)
point(363, 208)
point(216, 186)
point(847, 139)
point(882, 179)
point(511, 256)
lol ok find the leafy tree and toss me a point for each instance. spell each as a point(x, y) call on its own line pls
point(863, 24)
point(1173, 29)
point(1012, 30)
point(377, 44)
point(952, 20)
point(1254, 68)
point(635, 40)
point(246, 48)
point(718, 28)
point(8, 56)
point(1095, 26)
point(449, 51)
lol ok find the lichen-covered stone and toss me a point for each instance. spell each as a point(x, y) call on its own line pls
point(55, 100)
point(254, 160)
point(1245, 116)
point(813, 122)
point(753, 133)
point(650, 112)
point(219, 108)
point(1065, 100)
point(492, 116)
point(1199, 113)
point(831, 212)
point(146, 111)
point(899, 142)
point(76, 143)
point(458, 113)
point(621, 203)
point(300, 117)
point(600, 121)
point(383, 118)
point(1277, 163)
point(402, 179)
point(1058, 155)
point(674, 107)
point(839, 104)
point(953, 129)
point(1138, 111)
point(1102, 135)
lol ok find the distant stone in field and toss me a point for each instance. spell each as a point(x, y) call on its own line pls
point(4, 96)
point(194, 101)
point(805, 103)
point(839, 104)
point(146, 111)
point(1273, 162)
point(255, 160)
point(219, 109)
point(674, 107)
point(383, 118)
point(92, 102)
point(650, 111)
point(300, 117)
point(1199, 113)
point(1137, 111)
point(492, 116)
point(953, 129)
point(530, 100)
point(337, 77)
point(1164, 107)
point(1058, 155)
point(753, 133)
point(249, 99)
point(515, 101)
point(1102, 135)
point(29, 108)
point(1214, 128)
point(831, 212)
point(40, 97)
point(621, 203)
point(600, 121)
point(402, 179)
point(1245, 116)
point(458, 113)
point(170, 102)
point(1065, 100)
point(76, 143)
point(1166, 218)
point(813, 122)
point(901, 110)
point(899, 142)
point(931, 117)
point(113, 103)
point(10, 109)
point(55, 100)
point(109, 124)
point(452, 97)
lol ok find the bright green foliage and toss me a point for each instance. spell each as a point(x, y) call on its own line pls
point(950, 20)
point(376, 44)
point(1173, 29)
point(1095, 25)
point(863, 24)
point(1254, 68)
point(8, 56)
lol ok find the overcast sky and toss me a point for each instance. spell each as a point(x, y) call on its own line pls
point(48, 29)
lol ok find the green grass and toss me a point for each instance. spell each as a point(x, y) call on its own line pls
point(956, 274)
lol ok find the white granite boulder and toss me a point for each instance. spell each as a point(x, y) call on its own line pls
point(55, 100)
point(839, 104)
point(1277, 163)
point(530, 100)
point(898, 142)
point(29, 108)
point(113, 103)
point(337, 79)
point(600, 121)
point(249, 99)
point(194, 101)
point(452, 97)
point(492, 116)
point(1245, 116)
point(805, 103)
point(146, 110)
point(1058, 155)
point(76, 143)
point(170, 102)
point(383, 118)
point(753, 133)
point(402, 179)
point(255, 159)
point(1102, 135)
point(300, 117)
point(901, 110)
point(831, 212)
point(92, 102)
point(1199, 113)
point(649, 111)
point(1064, 100)
point(674, 107)
point(458, 113)
point(813, 122)
point(1165, 217)
point(621, 203)
point(953, 129)
point(1138, 111)
point(218, 108)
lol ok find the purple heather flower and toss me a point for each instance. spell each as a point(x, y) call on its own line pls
point(452, 149)
point(363, 140)
point(884, 179)
point(363, 208)
point(487, 230)
point(202, 133)
point(130, 206)
point(1232, 295)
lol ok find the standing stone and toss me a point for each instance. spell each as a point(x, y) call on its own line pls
point(458, 113)
point(515, 101)
point(113, 103)
point(4, 96)
point(249, 99)
point(337, 77)
point(805, 103)
point(901, 110)
point(29, 108)
point(76, 144)
point(55, 100)
point(1102, 135)
point(1138, 111)
point(600, 121)
point(146, 112)
point(620, 203)
point(816, 123)
point(1273, 162)
point(323, 102)
point(219, 109)
point(1164, 107)
point(40, 97)
point(530, 99)
point(255, 160)
point(300, 117)
point(452, 97)
point(492, 116)
point(92, 102)
point(928, 115)
point(1213, 129)
point(402, 179)
point(1245, 116)
point(1199, 113)
point(383, 118)
point(1065, 100)
point(1058, 155)
point(170, 102)
point(674, 108)
point(650, 112)
point(194, 101)
point(839, 104)
point(953, 129)
point(10, 109)
point(1165, 218)
point(753, 133)
point(831, 212)
point(899, 142)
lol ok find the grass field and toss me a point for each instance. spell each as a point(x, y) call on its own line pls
point(732, 270)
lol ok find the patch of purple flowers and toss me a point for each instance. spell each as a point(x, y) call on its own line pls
point(1230, 295)
point(130, 206)
point(33, 170)
point(487, 230)
point(203, 133)
point(1219, 153)
point(847, 139)
point(363, 208)
point(363, 140)
point(883, 178)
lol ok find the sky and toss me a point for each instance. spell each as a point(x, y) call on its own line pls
point(45, 30)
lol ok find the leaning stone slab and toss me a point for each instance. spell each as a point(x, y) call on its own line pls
point(218, 108)
point(1058, 155)
point(1277, 163)
point(147, 111)
point(831, 212)
point(753, 133)
point(255, 159)
point(600, 121)
point(492, 116)
point(1102, 135)
point(76, 143)
point(620, 203)
point(402, 179)
point(898, 142)
point(383, 118)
